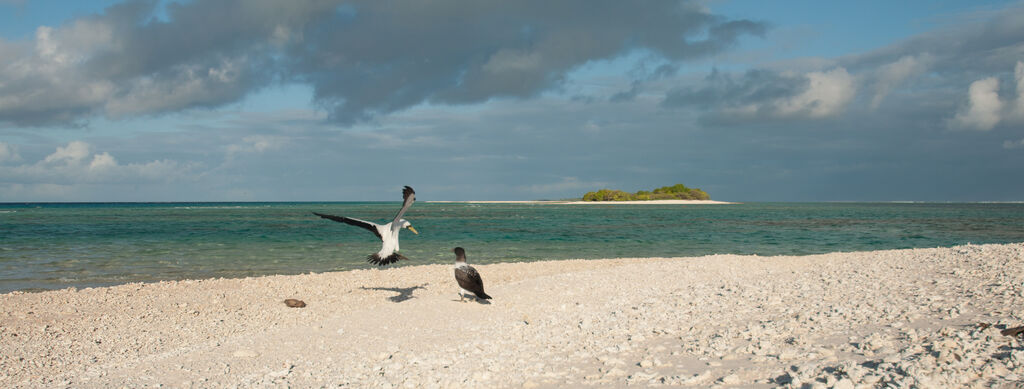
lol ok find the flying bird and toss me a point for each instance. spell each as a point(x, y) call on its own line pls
point(387, 233)
point(468, 278)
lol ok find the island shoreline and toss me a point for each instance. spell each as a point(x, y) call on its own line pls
point(574, 202)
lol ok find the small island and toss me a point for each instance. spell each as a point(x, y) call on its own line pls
point(674, 192)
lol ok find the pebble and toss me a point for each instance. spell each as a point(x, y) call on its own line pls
point(731, 379)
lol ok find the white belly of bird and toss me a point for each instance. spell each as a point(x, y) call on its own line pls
point(390, 240)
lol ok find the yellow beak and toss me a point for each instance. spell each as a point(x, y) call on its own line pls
point(413, 230)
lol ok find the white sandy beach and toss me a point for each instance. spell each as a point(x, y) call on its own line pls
point(645, 202)
point(904, 317)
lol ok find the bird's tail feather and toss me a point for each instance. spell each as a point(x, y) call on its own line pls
point(377, 260)
point(483, 296)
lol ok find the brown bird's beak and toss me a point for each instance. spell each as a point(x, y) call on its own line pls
point(413, 230)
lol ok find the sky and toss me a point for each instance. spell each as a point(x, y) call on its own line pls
point(322, 100)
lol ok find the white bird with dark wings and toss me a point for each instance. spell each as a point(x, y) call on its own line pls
point(388, 233)
point(468, 278)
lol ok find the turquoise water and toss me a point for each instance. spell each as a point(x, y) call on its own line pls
point(51, 246)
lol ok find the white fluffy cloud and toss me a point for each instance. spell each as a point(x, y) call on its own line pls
point(42, 82)
point(983, 106)
point(76, 163)
point(827, 95)
point(113, 65)
point(985, 109)
point(71, 154)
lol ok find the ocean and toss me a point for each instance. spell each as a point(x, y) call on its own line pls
point(56, 245)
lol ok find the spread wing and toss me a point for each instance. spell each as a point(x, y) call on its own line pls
point(469, 279)
point(409, 196)
point(355, 222)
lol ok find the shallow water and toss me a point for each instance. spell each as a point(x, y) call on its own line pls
point(51, 246)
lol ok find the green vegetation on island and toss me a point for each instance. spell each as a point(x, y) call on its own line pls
point(674, 192)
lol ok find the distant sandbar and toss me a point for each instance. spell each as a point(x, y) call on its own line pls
point(560, 202)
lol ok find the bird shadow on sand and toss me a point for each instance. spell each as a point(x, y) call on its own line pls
point(477, 300)
point(403, 293)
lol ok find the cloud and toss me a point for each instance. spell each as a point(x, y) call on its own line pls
point(254, 144)
point(524, 49)
point(650, 70)
point(985, 109)
point(723, 90)
point(188, 86)
point(893, 74)
point(508, 151)
point(765, 94)
point(974, 43)
point(124, 62)
point(971, 55)
point(73, 153)
point(362, 58)
point(827, 94)
point(1018, 76)
point(924, 76)
point(76, 163)
point(627, 95)
point(1013, 144)
point(8, 153)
